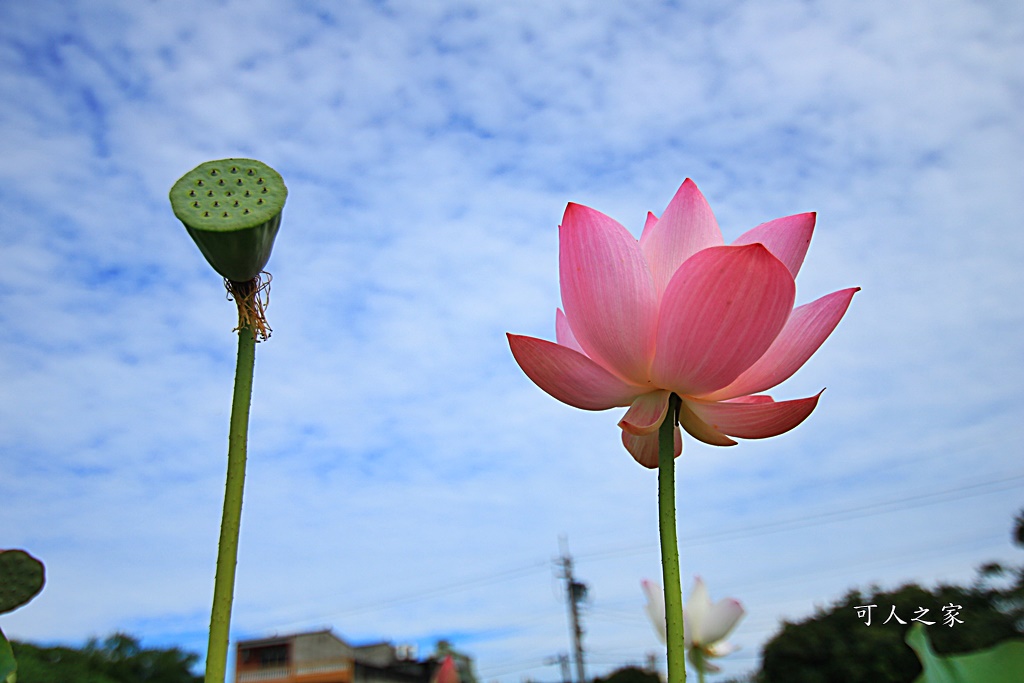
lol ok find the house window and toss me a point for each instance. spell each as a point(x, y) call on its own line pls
point(266, 656)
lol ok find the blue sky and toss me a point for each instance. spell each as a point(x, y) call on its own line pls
point(406, 481)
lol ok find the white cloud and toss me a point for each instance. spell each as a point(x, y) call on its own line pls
point(396, 449)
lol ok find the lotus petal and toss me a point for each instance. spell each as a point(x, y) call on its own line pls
point(701, 430)
point(686, 227)
point(720, 620)
point(706, 624)
point(648, 224)
point(644, 449)
point(563, 332)
point(722, 310)
point(655, 607)
point(787, 238)
point(806, 330)
point(752, 417)
point(607, 292)
point(570, 376)
point(646, 414)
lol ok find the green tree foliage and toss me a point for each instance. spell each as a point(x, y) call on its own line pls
point(117, 659)
point(836, 645)
point(1012, 596)
point(629, 674)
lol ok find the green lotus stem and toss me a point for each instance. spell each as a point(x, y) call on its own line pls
point(231, 209)
point(227, 554)
point(675, 641)
point(697, 657)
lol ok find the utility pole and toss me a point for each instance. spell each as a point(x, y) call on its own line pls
point(575, 593)
point(563, 662)
point(652, 663)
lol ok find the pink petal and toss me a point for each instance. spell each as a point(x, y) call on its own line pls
point(721, 311)
point(570, 376)
point(648, 224)
point(563, 333)
point(701, 430)
point(644, 449)
point(787, 238)
point(746, 419)
point(759, 398)
point(686, 227)
point(646, 414)
point(607, 292)
point(806, 330)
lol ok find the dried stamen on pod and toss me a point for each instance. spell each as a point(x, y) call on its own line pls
point(252, 299)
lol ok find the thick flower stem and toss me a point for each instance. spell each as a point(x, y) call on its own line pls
point(669, 544)
point(227, 555)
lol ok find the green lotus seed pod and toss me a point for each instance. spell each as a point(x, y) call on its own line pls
point(21, 578)
point(232, 209)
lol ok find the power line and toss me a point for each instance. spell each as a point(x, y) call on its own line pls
point(826, 517)
point(889, 506)
point(444, 589)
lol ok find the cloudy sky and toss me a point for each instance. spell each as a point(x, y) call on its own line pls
point(406, 481)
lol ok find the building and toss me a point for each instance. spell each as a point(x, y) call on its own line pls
point(323, 657)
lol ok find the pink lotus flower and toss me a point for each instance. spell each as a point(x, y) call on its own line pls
point(705, 624)
point(681, 312)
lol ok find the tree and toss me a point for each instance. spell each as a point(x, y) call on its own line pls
point(629, 674)
point(1012, 597)
point(117, 659)
point(837, 645)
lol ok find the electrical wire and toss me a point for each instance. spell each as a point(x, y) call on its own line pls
point(815, 519)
